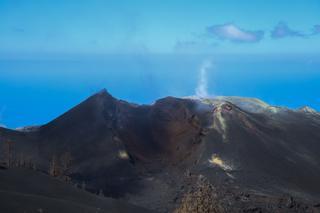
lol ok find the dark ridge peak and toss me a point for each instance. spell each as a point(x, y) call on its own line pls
point(103, 94)
point(103, 91)
point(168, 99)
point(90, 110)
point(4, 129)
point(97, 101)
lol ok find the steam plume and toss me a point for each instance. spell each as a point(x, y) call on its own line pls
point(202, 87)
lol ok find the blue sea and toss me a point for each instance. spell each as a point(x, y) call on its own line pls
point(35, 91)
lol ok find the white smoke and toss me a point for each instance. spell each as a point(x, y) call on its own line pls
point(202, 87)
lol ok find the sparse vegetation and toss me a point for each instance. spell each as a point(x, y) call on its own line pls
point(101, 193)
point(8, 153)
point(83, 185)
point(54, 169)
point(200, 198)
point(66, 160)
point(10, 158)
point(60, 167)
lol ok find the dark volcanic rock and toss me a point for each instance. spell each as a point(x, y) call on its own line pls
point(259, 158)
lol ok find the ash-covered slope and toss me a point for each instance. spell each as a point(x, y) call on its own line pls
point(23, 190)
point(278, 149)
point(149, 155)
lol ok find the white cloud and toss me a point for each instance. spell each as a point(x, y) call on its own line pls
point(282, 30)
point(233, 33)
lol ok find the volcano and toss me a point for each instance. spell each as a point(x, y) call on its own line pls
point(225, 154)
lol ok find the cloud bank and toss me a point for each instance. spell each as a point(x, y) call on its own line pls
point(233, 33)
point(316, 29)
point(202, 43)
point(282, 30)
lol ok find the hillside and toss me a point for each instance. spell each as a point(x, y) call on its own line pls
point(253, 157)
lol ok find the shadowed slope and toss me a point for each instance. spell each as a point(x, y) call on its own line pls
point(37, 192)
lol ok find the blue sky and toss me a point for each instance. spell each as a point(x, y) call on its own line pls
point(155, 26)
point(53, 54)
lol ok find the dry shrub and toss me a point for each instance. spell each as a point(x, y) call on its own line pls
point(201, 198)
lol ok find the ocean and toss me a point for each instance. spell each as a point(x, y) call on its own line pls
point(35, 91)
